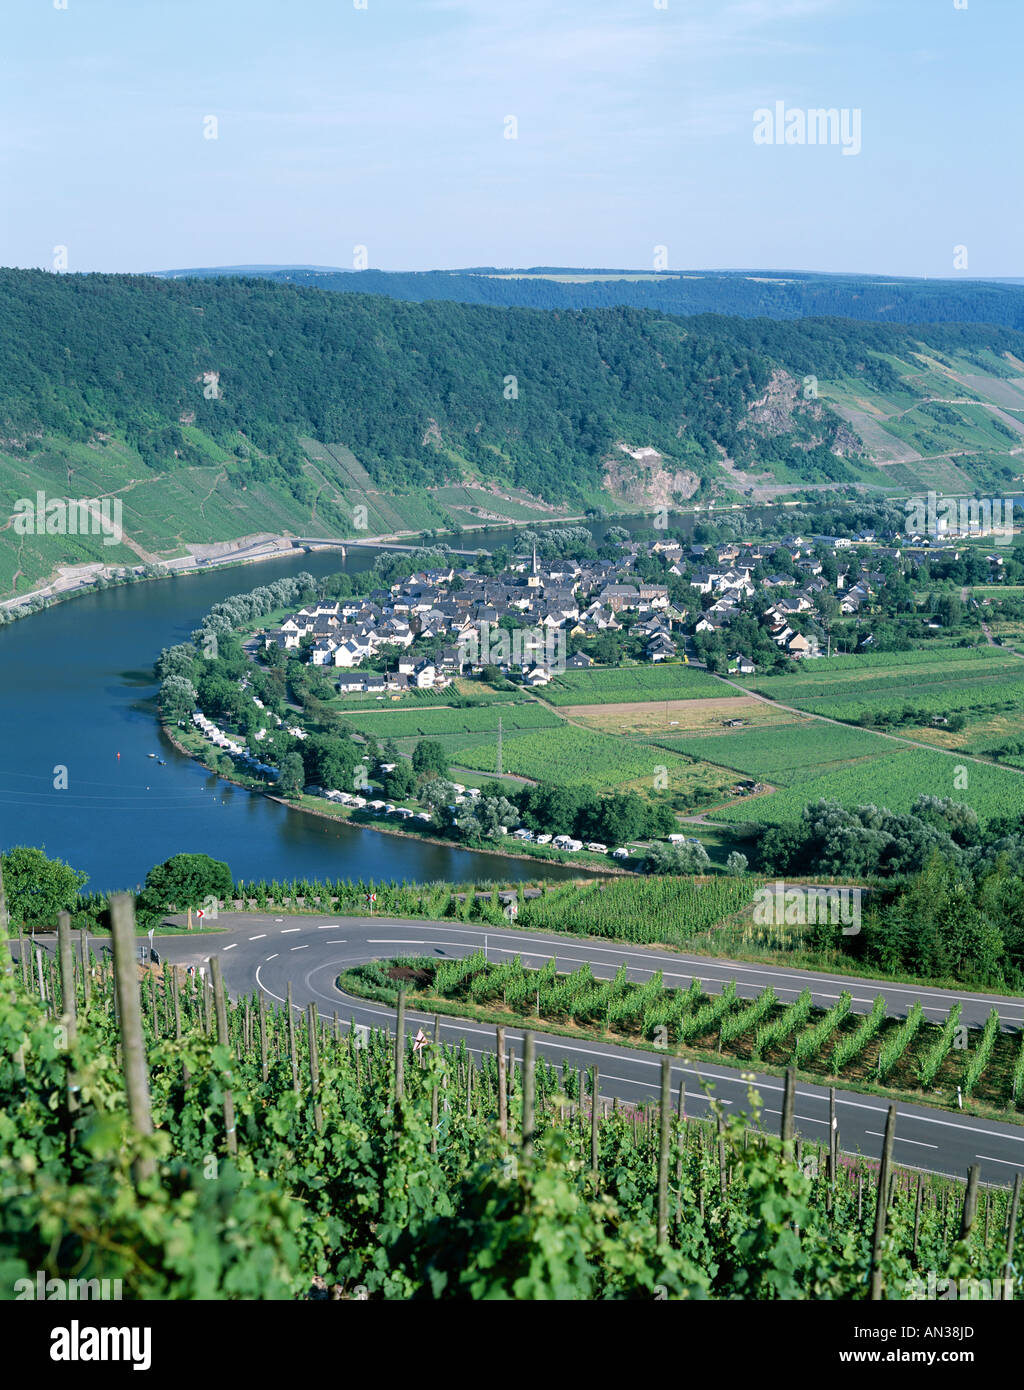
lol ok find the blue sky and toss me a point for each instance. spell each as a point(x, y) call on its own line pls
point(384, 127)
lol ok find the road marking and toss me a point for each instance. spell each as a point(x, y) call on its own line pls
point(331, 926)
point(231, 947)
point(299, 948)
point(273, 957)
point(339, 942)
point(900, 1140)
point(287, 931)
point(402, 941)
point(1007, 1161)
point(258, 938)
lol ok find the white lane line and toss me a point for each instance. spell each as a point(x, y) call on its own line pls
point(299, 948)
point(258, 938)
point(339, 942)
point(402, 941)
point(900, 1140)
point(231, 947)
point(273, 957)
point(331, 926)
point(802, 978)
point(987, 1159)
point(287, 931)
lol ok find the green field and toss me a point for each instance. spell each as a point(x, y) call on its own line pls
point(427, 722)
point(955, 679)
point(893, 782)
point(576, 757)
point(623, 684)
point(785, 753)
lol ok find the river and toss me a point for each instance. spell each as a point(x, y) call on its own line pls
point(78, 713)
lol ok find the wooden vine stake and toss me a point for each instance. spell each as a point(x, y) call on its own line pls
point(314, 1066)
point(291, 1042)
point(264, 1060)
point(502, 1087)
point(529, 1079)
point(595, 1113)
point(224, 1039)
point(133, 1049)
point(665, 1113)
point(881, 1205)
point(433, 1091)
point(1011, 1229)
point(970, 1207)
point(69, 1017)
point(400, 1047)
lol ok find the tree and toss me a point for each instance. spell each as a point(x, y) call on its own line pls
point(184, 881)
point(736, 863)
point(292, 774)
point(177, 697)
point(676, 859)
point(37, 888)
point(400, 781)
point(429, 759)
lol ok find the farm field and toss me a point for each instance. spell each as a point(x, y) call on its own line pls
point(649, 717)
point(427, 722)
point(577, 757)
point(893, 781)
point(622, 684)
point(954, 680)
point(786, 753)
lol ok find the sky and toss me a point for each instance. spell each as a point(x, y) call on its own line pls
point(423, 134)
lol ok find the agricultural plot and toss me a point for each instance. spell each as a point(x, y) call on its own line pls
point(906, 1054)
point(894, 782)
point(953, 680)
point(621, 684)
point(427, 722)
point(577, 757)
point(785, 753)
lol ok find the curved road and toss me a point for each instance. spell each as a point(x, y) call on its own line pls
point(265, 952)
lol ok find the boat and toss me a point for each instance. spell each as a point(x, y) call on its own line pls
point(150, 755)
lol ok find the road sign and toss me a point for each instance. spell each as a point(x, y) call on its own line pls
point(419, 1041)
point(200, 913)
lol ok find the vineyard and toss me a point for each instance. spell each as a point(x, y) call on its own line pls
point(574, 757)
point(622, 684)
point(784, 753)
point(908, 1056)
point(895, 782)
point(198, 1148)
point(407, 723)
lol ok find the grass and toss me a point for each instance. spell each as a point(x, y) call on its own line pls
point(785, 753)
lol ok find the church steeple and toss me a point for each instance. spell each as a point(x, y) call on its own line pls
point(534, 571)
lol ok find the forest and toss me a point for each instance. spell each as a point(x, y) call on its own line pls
point(420, 393)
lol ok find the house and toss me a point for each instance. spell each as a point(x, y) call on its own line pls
point(660, 648)
point(742, 664)
point(619, 597)
point(579, 661)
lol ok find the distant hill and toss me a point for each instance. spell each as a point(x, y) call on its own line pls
point(778, 294)
point(229, 406)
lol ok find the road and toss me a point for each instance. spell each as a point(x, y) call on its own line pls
point(265, 952)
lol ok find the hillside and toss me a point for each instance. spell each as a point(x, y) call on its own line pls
point(220, 408)
point(777, 294)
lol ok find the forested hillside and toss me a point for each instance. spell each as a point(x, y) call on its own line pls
point(769, 293)
point(218, 408)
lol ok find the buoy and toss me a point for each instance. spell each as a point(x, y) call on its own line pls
point(119, 755)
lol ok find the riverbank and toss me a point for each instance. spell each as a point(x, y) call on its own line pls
point(591, 864)
point(249, 550)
